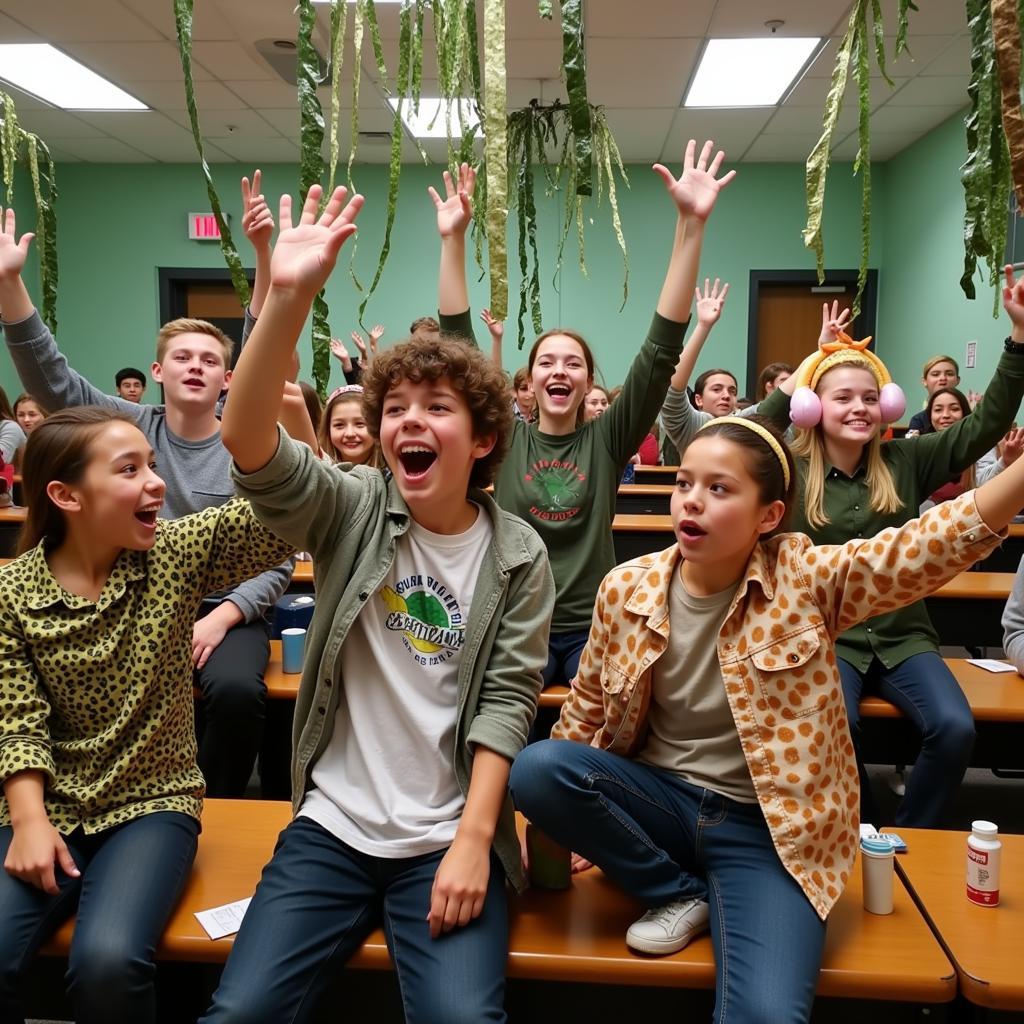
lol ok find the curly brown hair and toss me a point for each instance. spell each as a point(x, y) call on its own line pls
point(480, 383)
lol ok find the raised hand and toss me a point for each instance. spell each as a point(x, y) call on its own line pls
point(376, 333)
point(1012, 446)
point(496, 327)
point(455, 211)
point(305, 254)
point(696, 190)
point(257, 220)
point(711, 302)
point(340, 353)
point(832, 322)
point(1013, 299)
point(12, 254)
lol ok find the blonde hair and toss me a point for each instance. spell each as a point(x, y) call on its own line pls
point(810, 446)
point(189, 325)
point(935, 360)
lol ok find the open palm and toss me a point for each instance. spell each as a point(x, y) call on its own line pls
point(305, 254)
point(695, 191)
point(455, 211)
point(12, 254)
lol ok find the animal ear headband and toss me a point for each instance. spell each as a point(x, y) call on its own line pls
point(805, 406)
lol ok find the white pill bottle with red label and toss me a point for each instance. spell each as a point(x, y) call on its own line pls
point(983, 853)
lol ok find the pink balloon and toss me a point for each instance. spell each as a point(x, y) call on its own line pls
point(892, 403)
point(805, 408)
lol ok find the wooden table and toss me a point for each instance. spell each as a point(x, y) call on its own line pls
point(644, 499)
point(655, 474)
point(575, 936)
point(636, 535)
point(985, 944)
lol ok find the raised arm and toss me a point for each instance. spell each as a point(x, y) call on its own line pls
point(301, 262)
point(258, 225)
point(454, 213)
point(710, 304)
point(15, 303)
point(496, 329)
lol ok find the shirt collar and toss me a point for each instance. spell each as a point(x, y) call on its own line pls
point(44, 591)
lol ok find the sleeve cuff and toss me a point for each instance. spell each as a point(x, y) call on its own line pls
point(496, 736)
point(21, 332)
point(667, 333)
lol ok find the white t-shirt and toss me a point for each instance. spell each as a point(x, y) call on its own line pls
point(385, 784)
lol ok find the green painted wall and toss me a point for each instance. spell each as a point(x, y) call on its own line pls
point(923, 311)
point(119, 223)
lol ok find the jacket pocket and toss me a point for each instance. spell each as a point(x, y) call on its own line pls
point(784, 672)
point(613, 679)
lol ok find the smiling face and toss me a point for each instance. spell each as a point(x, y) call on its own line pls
point(526, 400)
point(718, 511)
point(560, 378)
point(595, 404)
point(771, 385)
point(29, 415)
point(130, 389)
point(945, 410)
point(850, 412)
point(348, 432)
point(193, 372)
point(116, 501)
point(426, 436)
point(718, 395)
point(941, 375)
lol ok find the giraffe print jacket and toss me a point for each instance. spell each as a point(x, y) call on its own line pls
point(779, 669)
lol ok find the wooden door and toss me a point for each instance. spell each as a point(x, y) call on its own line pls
point(217, 303)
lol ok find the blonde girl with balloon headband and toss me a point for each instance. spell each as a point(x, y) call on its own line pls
point(851, 485)
point(712, 774)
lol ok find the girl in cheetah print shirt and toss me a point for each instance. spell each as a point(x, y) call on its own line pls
point(716, 782)
point(97, 744)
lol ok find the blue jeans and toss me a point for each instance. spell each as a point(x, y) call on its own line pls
point(924, 689)
point(564, 650)
point(131, 878)
point(318, 900)
point(662, 839)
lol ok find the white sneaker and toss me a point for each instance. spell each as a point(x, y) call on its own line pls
point(669, 928)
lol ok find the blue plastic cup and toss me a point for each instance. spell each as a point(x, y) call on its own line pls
point(293, 647)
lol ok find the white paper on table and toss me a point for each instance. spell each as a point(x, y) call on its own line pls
point(226, 920)
point(991, 665)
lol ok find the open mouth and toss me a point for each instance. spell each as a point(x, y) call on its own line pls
point(691, 530)
point(194, 382)
point(147, 516)
point(559, 391)
point(416, 460)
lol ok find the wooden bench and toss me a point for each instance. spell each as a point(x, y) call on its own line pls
point(984, 943)
point(968, 610)
point(644, 499)
point(655, 474)
point(572, 936)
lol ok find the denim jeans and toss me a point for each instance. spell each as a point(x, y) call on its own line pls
point(564, 650)
point(318, 900)
point(662, 839)
point(131, 878)
point(924, 689)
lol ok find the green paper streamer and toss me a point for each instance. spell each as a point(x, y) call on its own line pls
point(544, 9)
point(862, 165)
point(10, 136)
point(608, 157)
point(496, 156)
point(817, 162)
point(357, 44)
point(879, 31)
point(901, 25)
point(339, 23)
point(46, 228)
point(370, 18)
point(311, 166)
point(574, 62)
point(183, 26)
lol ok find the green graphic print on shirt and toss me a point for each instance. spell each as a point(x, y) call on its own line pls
point(428, 617)
point(556, 489)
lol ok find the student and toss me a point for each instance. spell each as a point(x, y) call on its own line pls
point(714, 391)
point(422, 669)
point(947, 406)
point(12, 437)
point(716, 782)
point(425, 328)
point(1013, 623)
point(853, 485)
point(938, 372)
point(28, 412)
point(771, 377)
point(102, 793)
point(230, 639)
point(524, 405)
point(130, 384)
point(561, 475)
point(343, 434)
point(595, 403)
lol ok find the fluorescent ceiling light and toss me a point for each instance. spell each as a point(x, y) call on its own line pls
point(46, 72)
point(431, 121)
point(747, 72)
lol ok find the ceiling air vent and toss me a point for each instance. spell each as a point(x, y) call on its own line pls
point(281, 55)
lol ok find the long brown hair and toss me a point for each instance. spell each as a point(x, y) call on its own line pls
point(323, 434)
point(588, 358)
point(58, 449)
point(6, 412)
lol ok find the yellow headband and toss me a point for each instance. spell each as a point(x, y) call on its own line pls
point(843, 350)
point(765, 436)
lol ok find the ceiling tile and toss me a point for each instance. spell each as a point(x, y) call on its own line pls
point(58, 124)
point(103, 151)
point(956, 57)
point(933, 16)
point(231, 60)
point(619, 84)
point(884, 145)
point(100, 20)
point(522, 90)
point(922, 51)
point(171, 95)
point(227, 122)
point(787, 148)
point(639, 133)
point(523, 22)
point(910, 120)
point(540, 59)
point(737, 18)
point(731, 130)
point(650, 19)
point(269, 94)
point(123, 63)
point(207, 22)
point(260, 151)
point(812, 92)
point(788, 120)
point(949, 91)
point(12, 31)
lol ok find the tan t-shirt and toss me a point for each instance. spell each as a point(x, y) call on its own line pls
point(690, 727)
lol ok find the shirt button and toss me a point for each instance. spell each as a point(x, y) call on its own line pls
point(794, 658)
point(856, 508)
point(869, 629)
point(363, 595)
point(970, 536)
point(327, 683)
point(322, 710)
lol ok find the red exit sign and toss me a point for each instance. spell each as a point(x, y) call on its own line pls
point(203, 227)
